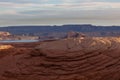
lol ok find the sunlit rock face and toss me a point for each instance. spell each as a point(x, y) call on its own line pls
point(85, 45)
point(2, 47)
point(4, 33)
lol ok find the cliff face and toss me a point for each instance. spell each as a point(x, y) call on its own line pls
point(67, 59)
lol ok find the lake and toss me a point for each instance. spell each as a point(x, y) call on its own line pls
point(18, 41)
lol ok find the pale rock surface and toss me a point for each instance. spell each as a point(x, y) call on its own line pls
point(2, 33)
point(2, 47)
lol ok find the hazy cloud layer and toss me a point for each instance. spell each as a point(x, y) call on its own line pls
point(37, 12)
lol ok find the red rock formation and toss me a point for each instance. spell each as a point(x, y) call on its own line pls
point(68, 59)
point(2, 47)
point(4, 33)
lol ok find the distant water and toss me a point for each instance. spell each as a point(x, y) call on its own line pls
point(13, 41)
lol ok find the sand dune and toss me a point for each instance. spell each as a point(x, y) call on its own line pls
point(67, 59)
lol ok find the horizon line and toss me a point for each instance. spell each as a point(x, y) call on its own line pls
point(54, 25)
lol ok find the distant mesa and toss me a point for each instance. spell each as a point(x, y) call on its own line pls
point(59, 31)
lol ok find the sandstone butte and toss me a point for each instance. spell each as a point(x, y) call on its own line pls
point(67, 59)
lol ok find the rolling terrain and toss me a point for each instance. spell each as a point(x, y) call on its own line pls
point(84, 58)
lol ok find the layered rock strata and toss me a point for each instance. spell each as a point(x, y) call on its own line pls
point(67, 59)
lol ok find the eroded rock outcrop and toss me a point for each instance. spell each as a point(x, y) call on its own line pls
point(3, 47)
point(67, 59)
point(83, 45)
point(2, 33)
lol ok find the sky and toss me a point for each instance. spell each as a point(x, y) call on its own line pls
point(58, 12)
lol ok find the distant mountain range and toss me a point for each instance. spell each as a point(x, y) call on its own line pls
point(88, 29)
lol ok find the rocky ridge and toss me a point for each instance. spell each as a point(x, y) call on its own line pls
point(94, 58)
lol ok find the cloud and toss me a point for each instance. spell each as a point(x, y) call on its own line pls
point(59, 11)
point(24, 1)
point(62, 17)
point(10, 12)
